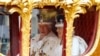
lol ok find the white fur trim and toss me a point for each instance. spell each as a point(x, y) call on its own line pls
point(59, 25)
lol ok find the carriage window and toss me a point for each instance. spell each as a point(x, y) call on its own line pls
point(47, 30)
point(4, 34)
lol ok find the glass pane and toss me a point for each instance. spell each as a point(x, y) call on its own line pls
point(4, 34)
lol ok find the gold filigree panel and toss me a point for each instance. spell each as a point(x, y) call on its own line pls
point(72, 8)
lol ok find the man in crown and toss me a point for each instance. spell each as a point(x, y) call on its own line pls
point(44, 43)
point(78, 43)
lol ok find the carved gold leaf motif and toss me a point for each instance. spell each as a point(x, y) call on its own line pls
point(72, 9)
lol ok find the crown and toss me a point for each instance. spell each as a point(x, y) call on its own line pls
point(60, 23)
point(42, 21)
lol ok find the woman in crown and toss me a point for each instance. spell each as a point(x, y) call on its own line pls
point(78, 43)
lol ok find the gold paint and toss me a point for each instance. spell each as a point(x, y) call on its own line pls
point(24, 9)
point(25, 34)
point(71, 8)
point(1, 54)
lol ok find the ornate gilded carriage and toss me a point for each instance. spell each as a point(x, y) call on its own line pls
point(72, 9)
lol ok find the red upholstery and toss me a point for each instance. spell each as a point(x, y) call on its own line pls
point(64, 40)
point(86, 26)
point(14, 35)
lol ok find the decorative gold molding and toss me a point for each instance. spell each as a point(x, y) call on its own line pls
point(25, 43)
point(72, 8)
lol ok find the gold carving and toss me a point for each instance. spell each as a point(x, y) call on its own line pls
point(72, 9)
point(1, 54)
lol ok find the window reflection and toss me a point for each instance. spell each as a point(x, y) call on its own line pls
point(4, 34)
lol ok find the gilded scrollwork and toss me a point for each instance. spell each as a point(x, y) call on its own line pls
point(72, 9)
point(24, 8)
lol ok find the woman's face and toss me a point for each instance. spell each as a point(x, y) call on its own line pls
point(60, 32)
